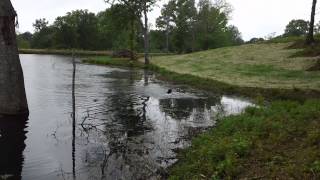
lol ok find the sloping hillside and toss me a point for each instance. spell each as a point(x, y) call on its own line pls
point(253, 65)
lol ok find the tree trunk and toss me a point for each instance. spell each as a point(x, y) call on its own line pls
point(12, 92)
point(207, 35)
point(310, 37)
point(193, 37)
point(132, 33)
point(146, 36)
point(167, 35)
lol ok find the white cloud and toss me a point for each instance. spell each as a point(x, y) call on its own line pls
point(258, 18)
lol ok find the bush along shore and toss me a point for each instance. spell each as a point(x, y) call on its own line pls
point(65, 52)
point(83, 53)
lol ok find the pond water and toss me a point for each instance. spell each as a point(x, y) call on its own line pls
point(127, 125)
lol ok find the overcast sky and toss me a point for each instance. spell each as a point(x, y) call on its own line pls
point(254, 18)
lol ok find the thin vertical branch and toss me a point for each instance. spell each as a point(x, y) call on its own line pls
point(73, 116)
point(146, 34)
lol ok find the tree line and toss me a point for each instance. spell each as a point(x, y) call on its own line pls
point(183, 26)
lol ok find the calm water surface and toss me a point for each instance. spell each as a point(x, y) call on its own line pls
point(127, 126)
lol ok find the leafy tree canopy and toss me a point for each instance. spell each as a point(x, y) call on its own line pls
point(297, 27)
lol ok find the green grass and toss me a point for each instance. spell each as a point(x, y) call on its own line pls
point(286, 39)
point(281, 141)
point(268, 66)
point(223, 88)
point(107, 60)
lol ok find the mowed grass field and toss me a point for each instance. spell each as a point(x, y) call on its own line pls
point(268, 65)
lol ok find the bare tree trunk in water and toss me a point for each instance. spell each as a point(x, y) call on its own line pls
point(132, 37)
point(12, 92)
point(193, 38)
point(310, 37)
point(167, 35)
point(73, 116)
point(146, 35)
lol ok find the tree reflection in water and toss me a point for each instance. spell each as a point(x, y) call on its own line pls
point(127, 126)
point(139, 139)
point(12, 145)
point(122, 122)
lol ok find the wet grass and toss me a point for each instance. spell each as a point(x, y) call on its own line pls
point(280, 141)
point(267, 66)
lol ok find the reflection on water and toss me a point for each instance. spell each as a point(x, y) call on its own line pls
point(12, 137)
point(127, 127)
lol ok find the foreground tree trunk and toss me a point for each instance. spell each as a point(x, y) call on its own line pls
point(12, 92)
point(310, 37)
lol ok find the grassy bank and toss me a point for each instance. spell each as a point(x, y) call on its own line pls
point(277, 142)
point(219, 87)
point(254, 66)
point(280, 141)
point(176, 73)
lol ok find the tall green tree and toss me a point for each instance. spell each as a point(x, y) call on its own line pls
point(164, 22)
point(212, 26)
point(158, 41)
point(77, 29)
point(12, 94)
point(310, 37)
point(24, 40)
point(146, 7)
point(234, 35)
point(203, 17)
point(117, 29)
point(40, 24)
point(65, 33)
point(185, 16)
point(297, 27)
point(198, 28)
point(133, 7)
point(43, 36)
point(140, 8)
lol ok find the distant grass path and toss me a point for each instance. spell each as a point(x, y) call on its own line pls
point(254, 65)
